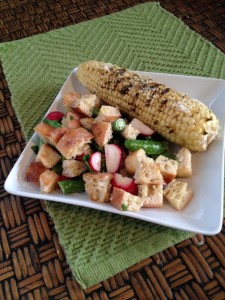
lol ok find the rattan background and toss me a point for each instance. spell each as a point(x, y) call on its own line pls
point(194, 269)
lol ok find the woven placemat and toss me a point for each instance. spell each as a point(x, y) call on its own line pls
point(145, 261)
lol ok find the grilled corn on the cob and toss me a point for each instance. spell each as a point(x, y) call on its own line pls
point(176, 116)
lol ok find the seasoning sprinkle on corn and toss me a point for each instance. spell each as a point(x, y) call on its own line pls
point(177, 117)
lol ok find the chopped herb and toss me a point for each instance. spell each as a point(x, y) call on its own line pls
point(85, 159)
point(52, 123)
point(95, 112)
point(40, 143)
point(95, 146)
point(124, 207)
point(58, 168)
point(35, 148)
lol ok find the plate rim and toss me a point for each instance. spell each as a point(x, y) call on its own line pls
point(90, 205)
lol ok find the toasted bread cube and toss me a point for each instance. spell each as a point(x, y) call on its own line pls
point(33, 172)
point(71, 120)
point(87, 123)
point(147, 172)
point(184, 163)
point(102, 132)
point(70, 98)
point(48, 156)
point(98, 186)
point(73, 168)
point(131, 160)
point(48, 181)
point(108, 114)
point(74, 142)
point(177, 194)
point(168, 167)
point(125, 201)
point(86, 104)
point(152, 194)
point(130, 132)
point(50, 134)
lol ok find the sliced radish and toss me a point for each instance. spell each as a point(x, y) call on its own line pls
point(125, 183)
point(55, 116)
point(95, 161)
point(113, 157)
point(144, 129)
point(124, 155)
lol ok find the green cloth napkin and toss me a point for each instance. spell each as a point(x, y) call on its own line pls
point(146, 37)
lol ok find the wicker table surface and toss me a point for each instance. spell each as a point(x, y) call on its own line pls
point(195, 268)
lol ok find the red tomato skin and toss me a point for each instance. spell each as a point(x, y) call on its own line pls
point(55, 116)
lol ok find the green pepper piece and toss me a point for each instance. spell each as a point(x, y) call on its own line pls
point(118, 125)
point(71, 186)
point(58, 168)
point(150, 146)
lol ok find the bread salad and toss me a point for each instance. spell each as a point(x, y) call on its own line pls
point(106, 148)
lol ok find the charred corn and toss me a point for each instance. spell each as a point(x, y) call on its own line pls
point(177, 117)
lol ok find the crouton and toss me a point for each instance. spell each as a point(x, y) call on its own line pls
point(147, 172)
point(71, 120)
point(102, 132)
point(98, 186)
point(131, 160)
point(34, 171)
point(152, 194)
point(50, 134)
point(70, 98)
point(125, 201)
point(108, 114)
point(48, 181)
point(86, 104)
point(87, 123)
point(74, 142)
point(86, 151)
point(130, 132)
point(73, 168)
point(184, 163)
point(48, 156)
point(168, 167)
point(177, 194)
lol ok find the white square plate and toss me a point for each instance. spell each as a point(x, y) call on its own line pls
point(204, 214)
